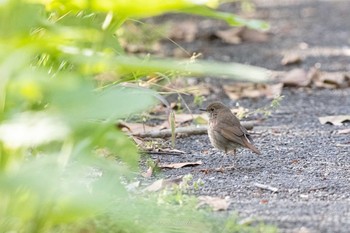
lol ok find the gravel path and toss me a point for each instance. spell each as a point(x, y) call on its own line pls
point(300, 157)
point(308, 162)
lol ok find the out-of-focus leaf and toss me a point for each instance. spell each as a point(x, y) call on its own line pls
point(10, 63)
point(135, 8)
point(32, 129)
point(231, 19)
point(68, 199)
point(120, 145)
point(13, 25)
point(128, 64)
point(79, 102)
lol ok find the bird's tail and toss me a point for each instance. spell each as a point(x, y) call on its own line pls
point(253, 148)
point(249, 144)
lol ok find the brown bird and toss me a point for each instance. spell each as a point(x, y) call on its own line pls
point(225, 131)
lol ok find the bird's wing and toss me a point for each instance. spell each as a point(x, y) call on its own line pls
point(231, 133)
point(238, 134)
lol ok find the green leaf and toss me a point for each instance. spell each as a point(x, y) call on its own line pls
point(230, 18)
point(122, 8)
point(129, 64)
point(77, 100)
point(118, 145)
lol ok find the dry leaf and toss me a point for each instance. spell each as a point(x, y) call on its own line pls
point(184, 117)
point(290, 59)
point(166, 151)
point(230, 36)
point(250, 90)
point(273, 90)
point(253, 35)
point(335, 120)
point(296, 77)
point(186, 30)
point(344, 131)
point(162, 183)
point(200, 89)
point(148, 173)
point(180, 165)
point(332, 80)
point(216, 203)
point(138, 127)
point(237, 35)
point(264, 201)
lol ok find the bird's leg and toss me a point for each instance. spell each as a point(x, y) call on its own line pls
point(223, 168)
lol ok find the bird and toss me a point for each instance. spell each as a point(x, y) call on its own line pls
point(225, 131)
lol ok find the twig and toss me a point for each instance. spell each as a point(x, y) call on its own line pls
point(164, 151)
point(189, 130)
point(267, 187)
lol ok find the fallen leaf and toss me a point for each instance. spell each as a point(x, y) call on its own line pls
point(184, 117)
point(332, 80)
point(186, 30)
point(138, 127)
point(250, 90)
point(230, 36)
point(264, 201)
point(344, 131)
point(148, 173)
point(166, 151)
point(237, 35)
point(216, 203)
point(253, 35)
point(162, 183)
point(180, 165)
point(290, 59)
point(273, 90)
point(297, 78)
point(334, 120)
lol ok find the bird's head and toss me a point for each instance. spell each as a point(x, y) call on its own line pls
point(214, 108)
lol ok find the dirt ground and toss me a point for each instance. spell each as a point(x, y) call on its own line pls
point(308, 162)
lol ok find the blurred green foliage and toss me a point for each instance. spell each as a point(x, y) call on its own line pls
point(54, 119)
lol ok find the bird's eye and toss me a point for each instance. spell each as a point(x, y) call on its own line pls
point(212, 109)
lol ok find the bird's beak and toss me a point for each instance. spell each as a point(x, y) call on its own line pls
point(203, 109)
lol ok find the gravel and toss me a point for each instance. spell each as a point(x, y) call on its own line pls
point(308, 162)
